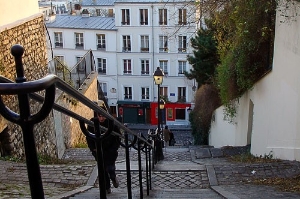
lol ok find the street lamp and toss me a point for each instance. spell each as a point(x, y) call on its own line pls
point(158, 79)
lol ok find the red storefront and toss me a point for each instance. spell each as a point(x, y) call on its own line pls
point(172, 113)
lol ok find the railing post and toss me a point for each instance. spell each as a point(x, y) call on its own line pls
point(33, 168)
point(100, 162)
point(147, 169)
point(150, 170)
point(128, 172)
point(140, 169)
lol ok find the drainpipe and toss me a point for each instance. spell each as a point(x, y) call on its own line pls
point(153, 67)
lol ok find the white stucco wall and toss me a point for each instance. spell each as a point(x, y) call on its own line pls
point(16, 10)
point(225, 133)
point(276, 99)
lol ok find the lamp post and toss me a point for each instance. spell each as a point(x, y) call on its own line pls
point(158, 79)
point(161, 107)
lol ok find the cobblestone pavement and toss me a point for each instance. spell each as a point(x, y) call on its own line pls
point(169, 178)
point(185, 172)
point(56, 179)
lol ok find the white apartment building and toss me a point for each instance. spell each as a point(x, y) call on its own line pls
point(129, 40)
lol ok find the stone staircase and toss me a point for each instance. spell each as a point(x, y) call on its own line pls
point(177, 176)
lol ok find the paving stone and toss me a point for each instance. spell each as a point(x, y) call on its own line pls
point(216, 152)
point(203, 153)
point(184, 173)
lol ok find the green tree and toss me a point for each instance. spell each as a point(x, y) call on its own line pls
point(205, 58)
point(245, 32)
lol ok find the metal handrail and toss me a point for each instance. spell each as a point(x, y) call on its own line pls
point(25, 90)
point(11, 88)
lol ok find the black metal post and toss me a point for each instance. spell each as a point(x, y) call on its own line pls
point(100, 162)
point(150, 170)
point(33, 168)
point(147, 169)
point(140, 169)
point(129, 192)
point(158, 110)
point(158, 141)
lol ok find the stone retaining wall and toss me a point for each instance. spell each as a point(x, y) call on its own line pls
point(69, 133)
point(54, 134)
point(31, 35)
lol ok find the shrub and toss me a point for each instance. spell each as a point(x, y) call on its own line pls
point(206, 101)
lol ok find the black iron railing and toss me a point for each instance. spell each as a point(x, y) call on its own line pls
point(26, 120)
point(76, 75)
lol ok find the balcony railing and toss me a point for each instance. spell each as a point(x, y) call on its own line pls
point(79, 45)
point(182, 50)
point(163, 50)
point(58, 45)
point(101, 71)
point(181, 99)
point(144, 49)
point(126, 49)
point(101, 46)
point(145, 72)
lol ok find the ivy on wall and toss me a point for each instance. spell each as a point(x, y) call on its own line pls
point(245, 32)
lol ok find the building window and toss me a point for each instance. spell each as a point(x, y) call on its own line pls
point(103, 87)
point(163, 44)
point(98, 12)
point(182, 17)
point(80, 66)
point(145, 67)
point(144, 43)
point(163, 64)
point(163, 91)
point(181, 67)
point(144, 16)
point(58, 40)
point(125, 17)
point(126, 43)
point(127, 93)
point(145, 93)
point(127, 66)
point(182, 44)
point(101, 42)
point(79, 40)
point(181, 94)
point(101, 66)
point(110, 12)
point(163, 20)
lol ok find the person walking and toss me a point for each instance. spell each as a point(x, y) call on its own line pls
point(166, 135)
point(172, 139)
point(110, 146)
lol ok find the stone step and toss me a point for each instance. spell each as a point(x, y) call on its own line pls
point(157, 194)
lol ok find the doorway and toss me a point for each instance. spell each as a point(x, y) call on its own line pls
point(250, 122)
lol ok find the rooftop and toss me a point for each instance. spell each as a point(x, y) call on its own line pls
point(111, 2)
point(154, 1)
point(97, 2)
point(79, 22)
